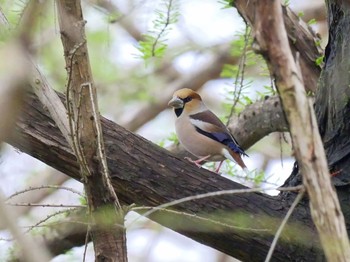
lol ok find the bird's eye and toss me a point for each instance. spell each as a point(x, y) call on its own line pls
point(187, 99)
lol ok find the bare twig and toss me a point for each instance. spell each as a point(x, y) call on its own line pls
point(86, 242)
point(44, 187)
point(44, 205)
point(169, 7)
point(214, 194)
point(283, 224)
point(202, 219)
point(72, 118)
point(25, 242)
point(238, 85)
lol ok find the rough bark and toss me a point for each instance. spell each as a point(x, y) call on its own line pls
point(273, 43)
point(332, 103)
point(145, 174)
point(107, 219)
point(333, 97)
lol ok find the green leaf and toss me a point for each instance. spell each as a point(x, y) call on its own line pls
point(319, 60)
point(154, 43)
point(312, 21)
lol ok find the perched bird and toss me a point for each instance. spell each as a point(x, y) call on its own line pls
point(201, 132)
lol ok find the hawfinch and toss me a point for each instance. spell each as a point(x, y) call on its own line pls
point(201, 132)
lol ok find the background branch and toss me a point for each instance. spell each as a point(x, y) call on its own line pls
point(301, 40)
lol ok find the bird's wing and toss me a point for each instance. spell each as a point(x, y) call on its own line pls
point(208, 124)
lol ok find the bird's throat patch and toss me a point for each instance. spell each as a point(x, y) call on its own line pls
point(178, 111)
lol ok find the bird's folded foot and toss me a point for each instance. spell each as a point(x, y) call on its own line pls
point(198, 161)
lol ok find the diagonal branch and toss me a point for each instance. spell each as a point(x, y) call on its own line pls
point(145, 174)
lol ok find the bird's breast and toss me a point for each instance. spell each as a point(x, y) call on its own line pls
point(196, 143)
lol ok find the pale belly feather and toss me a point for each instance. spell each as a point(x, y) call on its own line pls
point(196, 143)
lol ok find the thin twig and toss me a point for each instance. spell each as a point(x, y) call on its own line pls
point(283, 224)
point(167, 23)
point(41, 222)
point(86, 242)
point(213, 194)
point(49, 217)
point(74, 123)
point(30, 249)
point(44, 187)
point(43, 205)
point(100, 147)
point(239, 75)
point(195, 216)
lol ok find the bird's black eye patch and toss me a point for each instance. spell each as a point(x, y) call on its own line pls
point(187, 99)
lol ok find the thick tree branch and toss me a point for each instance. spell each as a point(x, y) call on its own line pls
point(145, 174)
point(258, 120)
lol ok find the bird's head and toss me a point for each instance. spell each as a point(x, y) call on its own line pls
point(186, 100)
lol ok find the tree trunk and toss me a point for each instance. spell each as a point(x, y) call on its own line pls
point(332, 104)
point(107, 217)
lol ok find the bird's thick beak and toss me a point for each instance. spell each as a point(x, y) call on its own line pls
point(176, 102)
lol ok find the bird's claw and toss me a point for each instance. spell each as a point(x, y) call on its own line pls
point(193, 161)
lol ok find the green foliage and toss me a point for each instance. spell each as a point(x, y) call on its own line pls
point(318, 42)
point(82, 201)
point(286, 2)
point(106, 70)
point(227, 3)
point(12, 253)
point(312, 21)
point(240, 96)
point(310, 93)
point(154, 43)
point(243, 101)
point(254, 176)
point(171, 139)
point(319, 60)
point(268, 91)
point(301, 14)
point(152, 46)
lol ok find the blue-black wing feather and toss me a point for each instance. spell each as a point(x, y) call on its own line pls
point(223, 138)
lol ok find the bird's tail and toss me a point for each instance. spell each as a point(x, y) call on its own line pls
point(236, 157)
